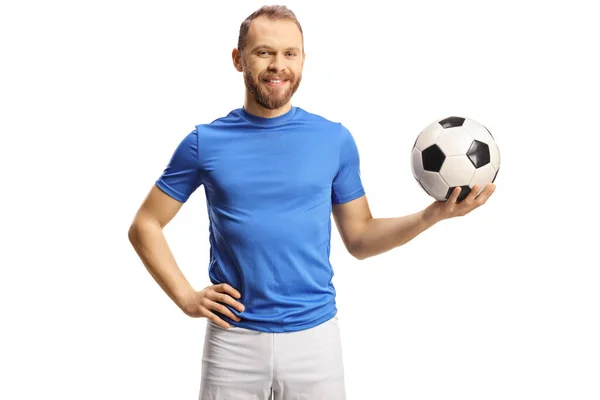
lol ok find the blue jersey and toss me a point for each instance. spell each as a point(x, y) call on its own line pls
point(270, 184)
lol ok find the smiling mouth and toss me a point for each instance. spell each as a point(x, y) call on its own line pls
point(275, 82)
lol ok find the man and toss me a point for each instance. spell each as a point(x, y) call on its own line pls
point(273, 174)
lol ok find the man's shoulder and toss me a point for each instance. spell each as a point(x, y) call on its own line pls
point(317, 118)
point(231, 117)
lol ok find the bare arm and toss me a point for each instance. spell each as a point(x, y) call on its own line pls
point(146, 236)
point(365, 236)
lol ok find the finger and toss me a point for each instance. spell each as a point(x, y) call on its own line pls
point(486, 193)
point(214, 318)
point(223, 310)
point(225, 288)
point(454, 195)
point(223, 298)
point(471, 196)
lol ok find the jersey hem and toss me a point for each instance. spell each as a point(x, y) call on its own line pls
point(170, 191)
point(349, 197)
point(270, 327)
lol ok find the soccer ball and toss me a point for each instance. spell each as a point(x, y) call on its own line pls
point(454, 151)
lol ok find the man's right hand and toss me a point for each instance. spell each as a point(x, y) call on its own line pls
point(202, 303)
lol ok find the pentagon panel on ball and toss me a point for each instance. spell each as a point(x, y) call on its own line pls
point(451, 152)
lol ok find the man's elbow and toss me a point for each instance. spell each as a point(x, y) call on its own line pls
point(139, 226)
point(133, 233)
point(358, 253)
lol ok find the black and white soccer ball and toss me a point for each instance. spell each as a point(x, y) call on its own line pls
point(454, 151)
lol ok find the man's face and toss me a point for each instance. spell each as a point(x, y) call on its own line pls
point(273, 61)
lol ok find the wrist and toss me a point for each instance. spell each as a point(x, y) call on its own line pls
point(429, 216)
point(183, 297)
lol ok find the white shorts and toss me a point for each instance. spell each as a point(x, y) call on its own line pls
point(242, 364)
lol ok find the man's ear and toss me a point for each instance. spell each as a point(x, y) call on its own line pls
point(237, 60)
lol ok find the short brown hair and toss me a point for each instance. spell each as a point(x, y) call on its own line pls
point(271, 12)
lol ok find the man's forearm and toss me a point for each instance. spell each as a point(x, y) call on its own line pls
point(151, 246)
point(380, 235)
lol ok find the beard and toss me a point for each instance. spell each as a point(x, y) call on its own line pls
point(266, 97)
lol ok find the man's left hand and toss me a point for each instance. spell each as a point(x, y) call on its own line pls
point(440, 210)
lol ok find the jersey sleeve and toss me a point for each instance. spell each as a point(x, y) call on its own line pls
point(181, 177)
point(347, 184)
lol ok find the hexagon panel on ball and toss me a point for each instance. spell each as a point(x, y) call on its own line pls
point(457, 171)
point(428, 136)
point(416, 163)
point(478, 131)
point(454, 141)
point(434, 185)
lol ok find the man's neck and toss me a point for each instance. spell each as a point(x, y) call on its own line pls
point(255, 109)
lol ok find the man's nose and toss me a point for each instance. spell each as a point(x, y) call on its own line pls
point(277, 63)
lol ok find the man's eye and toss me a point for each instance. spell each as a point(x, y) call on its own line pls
point(291, 54)
point(263, 53)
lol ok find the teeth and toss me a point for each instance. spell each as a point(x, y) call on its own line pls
point(275, 80)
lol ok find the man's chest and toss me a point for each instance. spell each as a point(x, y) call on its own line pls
point(287, 169)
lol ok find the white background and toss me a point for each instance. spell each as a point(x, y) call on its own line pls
point(500, 304)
